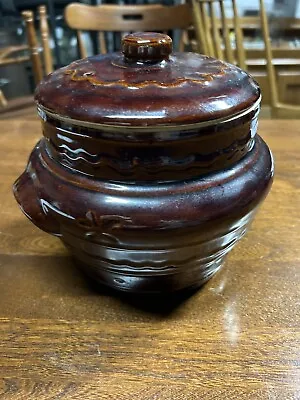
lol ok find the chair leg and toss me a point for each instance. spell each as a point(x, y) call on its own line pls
point(3, 101)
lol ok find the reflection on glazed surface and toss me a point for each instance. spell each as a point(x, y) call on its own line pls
point(150, 168)
point(153, 237)
point(150, 156)
point(186, 88)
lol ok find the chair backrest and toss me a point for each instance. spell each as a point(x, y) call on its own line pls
point(208, 29)
point(268, 54)
point(39, 66)
point(125, 18)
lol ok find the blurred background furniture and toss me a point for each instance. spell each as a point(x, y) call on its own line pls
point(279, 109)
point(48, 61)
point(3, 101)
point(39, 68)
point(213, 34)
point(220, 39)
point(24, 104)
point(10, 55)
point(126, 18)
point(13, 55)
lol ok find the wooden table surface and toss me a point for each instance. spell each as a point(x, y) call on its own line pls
point(236, 338)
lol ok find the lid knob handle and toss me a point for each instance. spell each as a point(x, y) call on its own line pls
point(146, 47)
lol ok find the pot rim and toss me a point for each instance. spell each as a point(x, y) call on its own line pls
point(43, 112)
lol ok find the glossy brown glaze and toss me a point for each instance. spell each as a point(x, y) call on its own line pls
point(148, 208)
point(146, 47)
point(184, 88)
point(150, 156)
point(146, 238)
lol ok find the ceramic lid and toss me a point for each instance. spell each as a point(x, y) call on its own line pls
point(147, 85)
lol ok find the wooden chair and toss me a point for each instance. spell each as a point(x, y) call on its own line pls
point(278, 109)
point(126, 18)
point(3, 101)
point(208, 30)
point(24, 106)
point(45, 66)
point(11, 55)
point(208, 27)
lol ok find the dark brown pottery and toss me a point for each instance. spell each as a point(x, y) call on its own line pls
point(150, 168)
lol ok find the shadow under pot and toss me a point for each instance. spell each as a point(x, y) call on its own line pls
point(150, 168)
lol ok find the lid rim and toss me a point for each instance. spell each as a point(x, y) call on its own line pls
point(44, 112)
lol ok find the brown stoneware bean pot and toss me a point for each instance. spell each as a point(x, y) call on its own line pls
point(150, 168)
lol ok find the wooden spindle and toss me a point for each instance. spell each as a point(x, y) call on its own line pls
point(200, 33)
point(33, 46)
point(215, 31)
point(48, 62)
point(82, 49)
point(268, 51)
point(241, 58)
point(226, 34)
point(102, 43)
point(207, 29)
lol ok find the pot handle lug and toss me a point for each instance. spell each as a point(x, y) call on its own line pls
point(30, 203)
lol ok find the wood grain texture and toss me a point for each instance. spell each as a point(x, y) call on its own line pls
point(278, 109)
point(207, 29)
point(45, 39)
point(236, 338)
point(126, 18)
point(34, 50)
